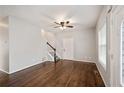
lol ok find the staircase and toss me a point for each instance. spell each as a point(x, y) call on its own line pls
point(52, 53)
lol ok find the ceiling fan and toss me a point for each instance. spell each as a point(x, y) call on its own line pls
point(63, 25)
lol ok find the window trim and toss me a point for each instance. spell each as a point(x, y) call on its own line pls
point(121, 53)
point(100, 61)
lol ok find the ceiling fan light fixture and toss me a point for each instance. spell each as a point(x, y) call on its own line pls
point(63, 28)
point(63, 25)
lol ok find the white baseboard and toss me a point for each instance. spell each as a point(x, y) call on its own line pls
point(101, 75)
point(4, 71)
point(82, 60)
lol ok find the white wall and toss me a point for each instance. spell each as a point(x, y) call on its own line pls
point(4, 45)
point(26, 46)
point(84, 43)
point(51, 38)
point(1, 11)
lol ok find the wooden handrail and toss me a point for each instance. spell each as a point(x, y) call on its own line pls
point(54, 51)
point(51, 46)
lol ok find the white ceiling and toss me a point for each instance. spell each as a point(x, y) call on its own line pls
point(84, 16)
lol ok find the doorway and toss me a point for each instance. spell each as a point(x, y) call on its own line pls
point(68, 48)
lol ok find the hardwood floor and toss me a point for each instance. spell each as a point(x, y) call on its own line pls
point(4, 78)
point(65, 74)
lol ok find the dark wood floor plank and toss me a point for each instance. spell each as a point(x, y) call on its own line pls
point(66, 73)
point(4, 79)
point(61, 75)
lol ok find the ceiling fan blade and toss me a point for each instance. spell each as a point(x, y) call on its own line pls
point(67, 22)
point(57, 23)
point(70, 26)
point(57, 26)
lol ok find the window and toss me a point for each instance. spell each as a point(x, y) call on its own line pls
point(102, 45)
point(122, 53)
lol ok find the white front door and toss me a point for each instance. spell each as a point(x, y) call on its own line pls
point(68, 44)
